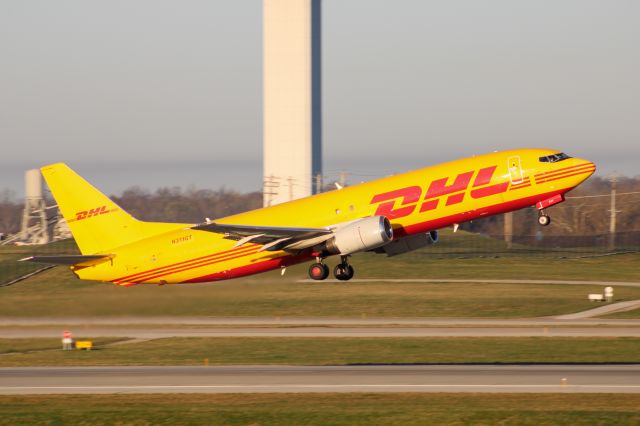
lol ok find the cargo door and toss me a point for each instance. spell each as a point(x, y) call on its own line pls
point(515, 170)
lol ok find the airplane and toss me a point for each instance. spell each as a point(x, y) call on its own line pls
point(391, 216)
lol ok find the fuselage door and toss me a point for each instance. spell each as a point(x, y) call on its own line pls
point(515, 170)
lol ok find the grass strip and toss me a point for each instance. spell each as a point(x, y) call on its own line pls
point(322, 409)
point(55, 293)
point(631, 314)
point(337, 351)
point(26, 345)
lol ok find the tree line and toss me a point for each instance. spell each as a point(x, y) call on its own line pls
point(161, 205)
point(585, 212)
point(188, 206)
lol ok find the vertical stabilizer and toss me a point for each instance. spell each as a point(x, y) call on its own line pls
point(97, 223)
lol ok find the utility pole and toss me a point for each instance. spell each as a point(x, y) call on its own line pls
point(318, 183)
point(508, 229)
point(270, 189)
point(343, 178)
point(290, 180)
point(613, 179)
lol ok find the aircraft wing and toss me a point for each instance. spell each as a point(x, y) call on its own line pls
point(271, 237)
point(70, 260)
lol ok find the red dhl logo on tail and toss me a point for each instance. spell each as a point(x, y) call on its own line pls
point(438, 190)
point(91, 213)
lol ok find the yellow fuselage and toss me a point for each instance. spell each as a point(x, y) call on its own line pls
point(417, 201)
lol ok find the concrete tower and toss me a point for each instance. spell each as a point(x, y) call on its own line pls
point(292, 105)
point(34, 228)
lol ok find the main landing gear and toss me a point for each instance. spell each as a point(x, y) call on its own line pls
point(543, 219)
point(343, 270)
point(318, 271)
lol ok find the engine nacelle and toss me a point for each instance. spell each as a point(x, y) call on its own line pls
point(361, 235)
point(407, 244)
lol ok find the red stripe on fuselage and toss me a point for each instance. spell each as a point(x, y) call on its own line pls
point(549, 175)
point(163, 269)
point(562, 170)
point(526, 182)
point(565, 170)
point(515, 187)
point(178, 263)
point(254, 268)
point(196, 265)
point(566, 175)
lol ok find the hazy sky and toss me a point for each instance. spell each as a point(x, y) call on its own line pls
point(160, 93)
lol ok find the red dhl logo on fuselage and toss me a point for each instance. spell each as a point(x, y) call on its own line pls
point(91, 213)
point(438, 190)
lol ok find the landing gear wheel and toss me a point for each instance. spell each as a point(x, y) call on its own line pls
point(343, 271)
point(318, 271)
point(544, 220)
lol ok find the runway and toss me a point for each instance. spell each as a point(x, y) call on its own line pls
point(479, 280)
point(161, 327)
point(262, 379)
point(353, 332)
point(265, 321)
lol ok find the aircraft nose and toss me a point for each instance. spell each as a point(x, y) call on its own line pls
point(584, 169)
point(588, 165)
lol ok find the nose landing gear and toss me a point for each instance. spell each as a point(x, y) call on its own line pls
point(543, 219)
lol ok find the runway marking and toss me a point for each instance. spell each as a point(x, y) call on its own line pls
point(142, 387)
point(478, 280)
point(435, 328)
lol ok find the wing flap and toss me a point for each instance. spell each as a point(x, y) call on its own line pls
point(271, 237)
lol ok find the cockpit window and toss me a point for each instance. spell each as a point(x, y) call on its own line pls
point(554, 158)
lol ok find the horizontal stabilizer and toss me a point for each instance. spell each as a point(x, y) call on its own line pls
point(70, 260)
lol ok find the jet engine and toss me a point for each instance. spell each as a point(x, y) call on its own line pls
point(360, 235)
